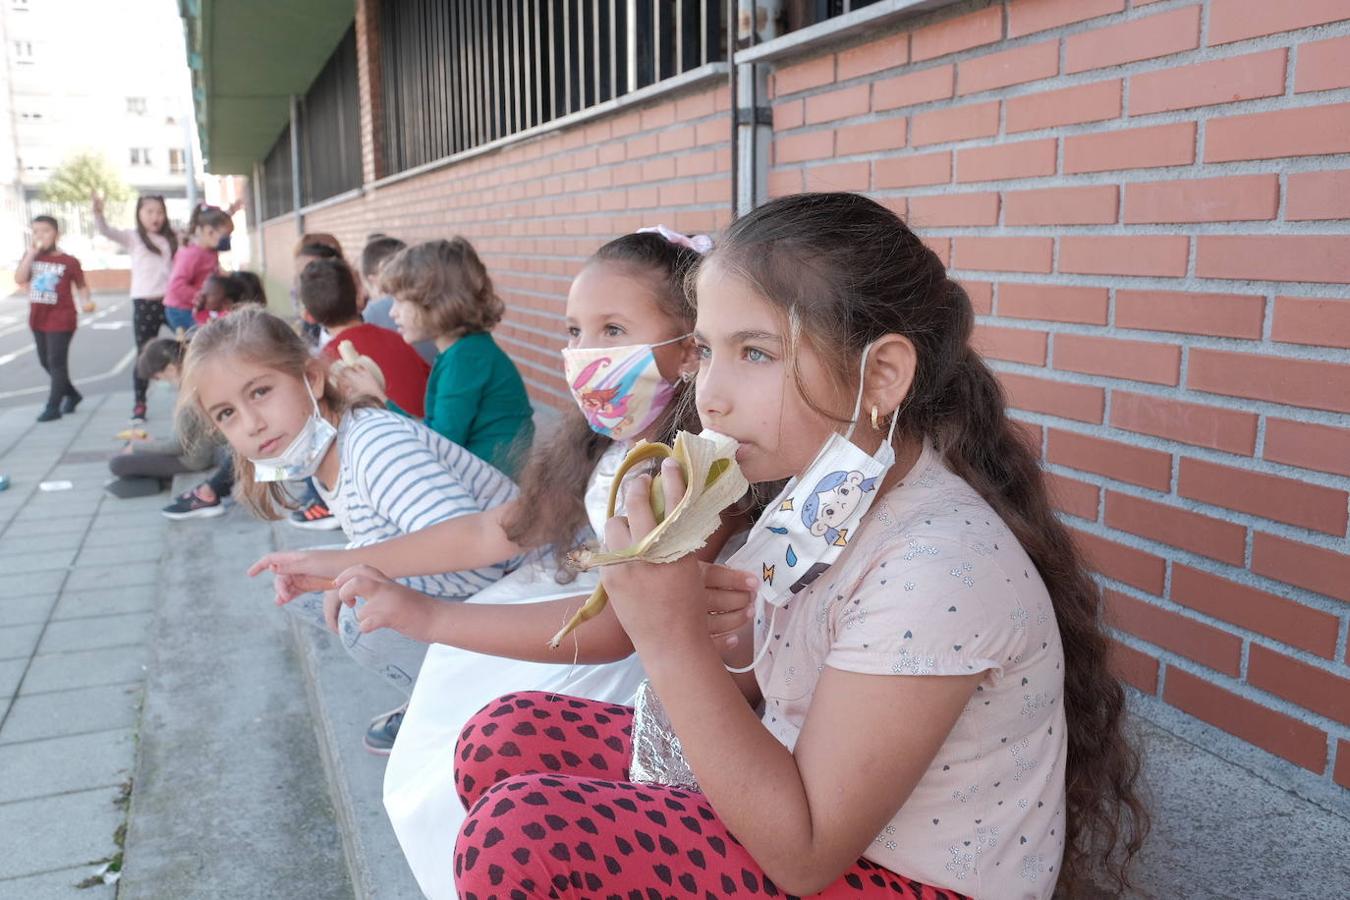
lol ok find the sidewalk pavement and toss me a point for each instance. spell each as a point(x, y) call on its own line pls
point(79, 573)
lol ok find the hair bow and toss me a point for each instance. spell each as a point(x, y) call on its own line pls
point(699, 243)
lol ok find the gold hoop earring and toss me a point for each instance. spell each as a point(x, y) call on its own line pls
point(876, 426)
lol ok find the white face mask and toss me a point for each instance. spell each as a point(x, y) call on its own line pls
point(805, 528)
point(302, 456)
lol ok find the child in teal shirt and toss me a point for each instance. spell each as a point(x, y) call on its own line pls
point(475, 395)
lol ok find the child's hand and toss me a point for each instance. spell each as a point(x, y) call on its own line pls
point(357, 381)
point(332, 605)
point(387, 604)
point(730, 598)
point(89, 306)
point(297, 572)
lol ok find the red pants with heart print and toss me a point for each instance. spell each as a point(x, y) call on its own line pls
point(551, 815)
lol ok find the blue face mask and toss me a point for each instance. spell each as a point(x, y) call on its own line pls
point(223, 245)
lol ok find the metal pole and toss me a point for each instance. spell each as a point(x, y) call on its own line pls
point(189, 162)
point(296, 193)
point(733, 10)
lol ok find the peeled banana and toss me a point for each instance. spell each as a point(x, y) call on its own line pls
point(351, 357)
point(712, 481)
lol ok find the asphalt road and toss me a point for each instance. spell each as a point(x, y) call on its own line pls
point(101, 355)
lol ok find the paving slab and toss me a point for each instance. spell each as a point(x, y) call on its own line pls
point(19, 640)
point(11, 671)
point(36, 583)
point(60, 713)
point(114, 601)
point(23, 563)
point(59, 885)
point(64, 765)
point(31, 610)
point(60, 832)
point(95, 632)
point(98, 577)
point(149, 549)
point(86, 668)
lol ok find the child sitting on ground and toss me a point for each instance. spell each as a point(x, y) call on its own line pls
point(328, 297)
point(250, 377)
point(475, 395)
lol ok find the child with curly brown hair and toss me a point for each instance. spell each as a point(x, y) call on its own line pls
point(475, 395)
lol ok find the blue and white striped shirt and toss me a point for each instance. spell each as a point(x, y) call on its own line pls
point(396, 476)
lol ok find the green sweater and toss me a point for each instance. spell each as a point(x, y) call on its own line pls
point(476, 398)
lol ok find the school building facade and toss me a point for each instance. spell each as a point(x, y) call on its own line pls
point(1148, 201)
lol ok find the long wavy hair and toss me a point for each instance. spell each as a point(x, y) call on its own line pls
point(845, 271)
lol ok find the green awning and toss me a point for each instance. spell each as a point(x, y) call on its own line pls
point(247, 58)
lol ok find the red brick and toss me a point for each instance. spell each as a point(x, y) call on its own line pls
point(658, 169)
point(1275, 617)
point(1236, 20)
point(1297, 382)
point(1115, 358)
point(1189, 423)
point(1342, 773)
point(854, 176)
point(841, 104)
point(1082, 402)
point(1317, 195)
point(1191, 531)
point(942, 246)
point(1312, 568)
point(1220, 315)
point(1031, 433)
point(1118, 562)
point(874, 57)
point(1309, 686)
point(981, 295)
point(674, 139)
point(714, 190)
point(1270, 496)
point(871, 137)
point(1029, 16)
point(785, 181)
point(804, 76)
point(1322, 66)
point(1134, 667)
point(1017, 66)
point(1067, 106)
point(1272, 731)
point(1149, 38)
point(913, 169)
point(948, 210)
point(1005, 254)
point(714, 131)
point(937, 83)
point(1012, 344)
point(1308, 446)
point(1096, 204)
point(1231, 199)
point(1306, 131)
point(1153, 254)
point(1024, 159)
point(1123, 462)
point(683, 193)
point(897, 205)
point(800, 147)
point(658, 116)
point(696, 164)
point(695, 106)
point(1053, 302)
point(1262, 257)
point(1204, 84)
point(958, 123)
point(1131, 148)
point(1194, 640)
point(788, 114)
point(1321, 322)
point(1071, 496)
point(640, 146)
point(955, 35)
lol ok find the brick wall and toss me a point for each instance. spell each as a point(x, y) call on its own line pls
point(1148, 203)
point(536, 210)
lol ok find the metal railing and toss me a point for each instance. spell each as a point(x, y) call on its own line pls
point(330, 127)
point(278, 186)
point(458, 75)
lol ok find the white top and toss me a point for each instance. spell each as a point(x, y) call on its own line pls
point(149, 271)
point(934, 583)
point(397, 476)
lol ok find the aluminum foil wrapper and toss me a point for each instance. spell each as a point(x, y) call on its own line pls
point(657, 755)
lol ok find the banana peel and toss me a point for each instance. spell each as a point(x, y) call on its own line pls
point(713, 482)
point(350, 356)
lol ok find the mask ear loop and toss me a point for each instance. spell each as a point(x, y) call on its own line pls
point(759, 657)
point(857, 401)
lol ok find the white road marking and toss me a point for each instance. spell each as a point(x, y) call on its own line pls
point(43, 388)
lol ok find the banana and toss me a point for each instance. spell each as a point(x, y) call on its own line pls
point(350, 357)
point(713, 482)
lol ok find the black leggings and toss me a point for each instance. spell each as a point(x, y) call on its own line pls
point(165, 466)
point(53, 352)
point(147, 319)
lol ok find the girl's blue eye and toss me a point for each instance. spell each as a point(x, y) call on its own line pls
point(704, 351)
point(613, 331)
point(573, 331)
point(755, 355)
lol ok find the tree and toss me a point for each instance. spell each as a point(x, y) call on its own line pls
point(83, 175)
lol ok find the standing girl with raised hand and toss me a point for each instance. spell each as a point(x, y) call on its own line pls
point(208, 235)
point(937, 715)
point(475, 395)
point(152, 245)
point(626, 307)
point(252, 378)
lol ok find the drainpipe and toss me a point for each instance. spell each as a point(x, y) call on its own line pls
point(752, 120)
point(296, 193)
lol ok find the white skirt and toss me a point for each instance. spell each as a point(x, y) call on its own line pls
point(419, 786)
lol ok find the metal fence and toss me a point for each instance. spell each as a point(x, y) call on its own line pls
point(457, 75)
point(278, 185)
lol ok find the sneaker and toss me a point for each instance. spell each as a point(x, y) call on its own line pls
point(72, 400)
point(190, 506)
point(138, 414)
point(380, 736)
point(315, 517)
point(50, 414)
